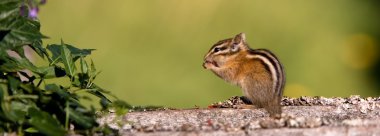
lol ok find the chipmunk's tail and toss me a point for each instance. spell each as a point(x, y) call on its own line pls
point(274, 107)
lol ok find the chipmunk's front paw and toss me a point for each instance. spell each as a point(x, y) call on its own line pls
point(245, 100)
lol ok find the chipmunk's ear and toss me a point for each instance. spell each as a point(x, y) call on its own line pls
point(238, 41)
point(240, 38)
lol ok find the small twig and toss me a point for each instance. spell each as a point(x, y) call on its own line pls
point(21, 96)
point(67, 116)
point(39, 82)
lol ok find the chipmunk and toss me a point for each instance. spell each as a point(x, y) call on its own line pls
point(257, 72)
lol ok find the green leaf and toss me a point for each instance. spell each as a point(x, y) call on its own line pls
point(37, 47)
point(105, 103)
point(3, 33)
point(14, 65)
point(25, 104)
point(22, 31)
point(25, 63)
point(121, 104)
point(121, 107)
point(15, 111)
point(58, 90)
point(15, 115)
point(97, 88)
point(29, 88)
point(9, 8)
point(20, 51)
point(45, 123)
point(67, 60)
point(31, 130)
point(46, 72)
point(50, 72)
point(3, 104)
point(97, 91)
point(81, 81)
point(76, 53)
point(9, 64)
point(1, 94)
point(64, 95)
point(93, 70)
point(56, 53)
point(13, 85)
point(83, 120)
point(77, 82)
point(83, 65)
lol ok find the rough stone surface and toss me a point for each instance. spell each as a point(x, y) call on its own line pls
point(301, 116)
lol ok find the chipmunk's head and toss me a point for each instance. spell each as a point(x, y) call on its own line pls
point(224, 51)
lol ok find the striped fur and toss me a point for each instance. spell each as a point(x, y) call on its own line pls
point(276, 68)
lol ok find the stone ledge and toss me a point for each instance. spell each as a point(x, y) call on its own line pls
point(332, 116)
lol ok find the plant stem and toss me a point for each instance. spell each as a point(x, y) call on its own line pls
point(53, 62)
point(19, 131)
point(67, 116)
point(21, 96)
point(39, 83)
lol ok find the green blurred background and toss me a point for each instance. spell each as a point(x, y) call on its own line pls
point(150, 52)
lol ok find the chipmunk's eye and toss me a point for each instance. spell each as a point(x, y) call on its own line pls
point(219, 49)
point(216, 49)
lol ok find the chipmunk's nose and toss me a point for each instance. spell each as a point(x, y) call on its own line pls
point(206, 60)
point(204, 63)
